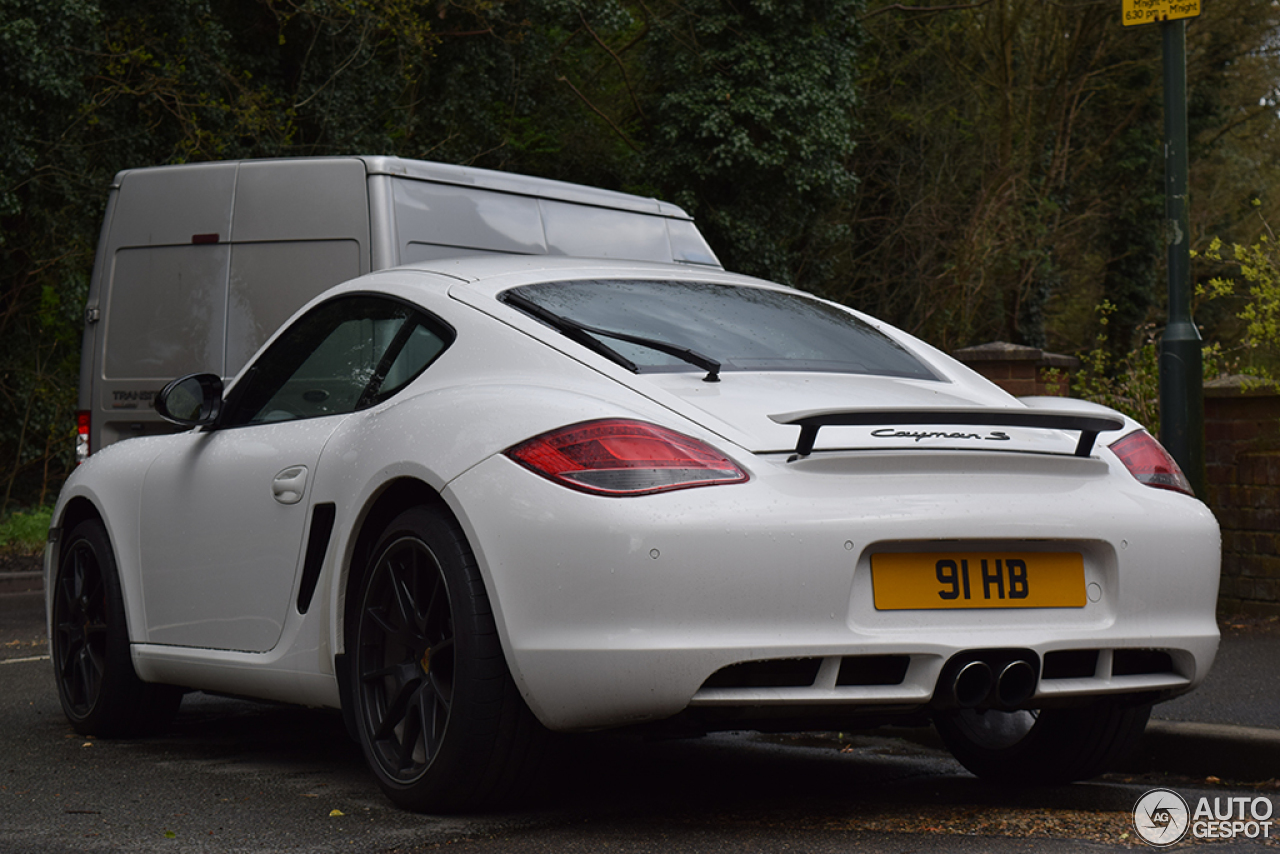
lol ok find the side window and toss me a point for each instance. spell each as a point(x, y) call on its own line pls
point(344, 355)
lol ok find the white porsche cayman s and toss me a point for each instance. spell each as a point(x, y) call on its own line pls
point(472, 501)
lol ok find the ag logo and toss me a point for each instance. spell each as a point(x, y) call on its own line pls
point(1161, 817)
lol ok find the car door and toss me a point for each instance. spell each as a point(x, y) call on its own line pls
point(224, 509)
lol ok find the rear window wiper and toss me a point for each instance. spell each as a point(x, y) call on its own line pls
point(583, 334)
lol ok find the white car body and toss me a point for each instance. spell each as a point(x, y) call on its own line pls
point(618, 610)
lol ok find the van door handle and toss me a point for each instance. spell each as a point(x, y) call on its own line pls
point(287, 486)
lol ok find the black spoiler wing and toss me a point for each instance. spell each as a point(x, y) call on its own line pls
point(1088, 424)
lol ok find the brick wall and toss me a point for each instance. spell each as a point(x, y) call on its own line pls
point(1242, 469)
point(1242, 465)
point(1020, 370)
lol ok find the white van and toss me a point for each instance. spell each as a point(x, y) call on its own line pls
point(198, 264)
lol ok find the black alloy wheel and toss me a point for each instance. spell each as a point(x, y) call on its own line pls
point(80, 629)
point(438, 715)
point(99, 691)
point(407, 659)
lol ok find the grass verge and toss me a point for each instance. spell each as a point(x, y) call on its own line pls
point(23, 532)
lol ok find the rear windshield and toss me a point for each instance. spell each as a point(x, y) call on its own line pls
point(743, 328)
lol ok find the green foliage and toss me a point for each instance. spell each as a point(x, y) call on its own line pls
point(1010, 164)
point(971, 171)
point(1255, 296)
point(753, 122)
point(743, 112)
point(981, 122)
point(24, 532)
point(1129, 383)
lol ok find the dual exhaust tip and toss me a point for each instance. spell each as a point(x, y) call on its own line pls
point(1001, 679)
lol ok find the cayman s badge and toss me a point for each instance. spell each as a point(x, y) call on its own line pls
point(918, 435)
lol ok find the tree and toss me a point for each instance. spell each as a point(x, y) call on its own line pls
point(1011, 163)
point(742, 111)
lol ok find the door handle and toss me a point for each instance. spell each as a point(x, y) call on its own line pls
point(287, 486)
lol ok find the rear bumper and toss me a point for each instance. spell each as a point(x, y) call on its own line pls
point(619, 611)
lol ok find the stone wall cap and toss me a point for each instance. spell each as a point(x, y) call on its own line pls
point(1239, 385)
point(1003, 351)
point(998, 350)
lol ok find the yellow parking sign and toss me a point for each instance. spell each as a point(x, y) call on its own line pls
point(1153, 11)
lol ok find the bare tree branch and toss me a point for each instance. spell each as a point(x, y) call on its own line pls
point(626, 78)
point(600, 113)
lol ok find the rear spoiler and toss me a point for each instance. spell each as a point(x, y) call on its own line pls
point(1089, 425)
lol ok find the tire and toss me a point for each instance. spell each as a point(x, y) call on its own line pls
point(440, 720)
point(100, 693)
point(1048, 747)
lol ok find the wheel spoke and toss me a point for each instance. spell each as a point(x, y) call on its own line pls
point(67, 587)
point(402, 595)
point(416, 731)
point(438, 598)
point(87, 676)
point(406, 658)
point(444, 692)
point(379, 673)
point(91, 590)
point(69, 661)
point(433, 727)
point(66, 593)
point(437, 715)
point(399, 705)
point(383, 622)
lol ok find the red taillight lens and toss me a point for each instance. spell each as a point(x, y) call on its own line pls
point(623, 457)
point(1150, 463)
point(82, 436)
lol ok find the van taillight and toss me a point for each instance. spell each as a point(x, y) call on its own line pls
point(1150, 463)
point(82, 436)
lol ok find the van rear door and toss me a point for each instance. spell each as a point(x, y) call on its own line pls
point(299, 227)
point(205, 262)
point(162, 292)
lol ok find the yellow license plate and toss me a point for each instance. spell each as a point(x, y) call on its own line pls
point(978, 580)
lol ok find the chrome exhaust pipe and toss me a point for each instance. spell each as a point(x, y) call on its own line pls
point(1016, 683)
point(972, 684)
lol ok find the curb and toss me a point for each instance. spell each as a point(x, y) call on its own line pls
point(1240, 754)
point(1237, 753)
point(21, 582)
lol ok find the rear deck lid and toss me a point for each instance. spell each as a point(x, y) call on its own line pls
point(803, 413)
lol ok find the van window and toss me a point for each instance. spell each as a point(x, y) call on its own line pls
point(587, 232)
point(687, 244)
point(272, 280)
point(464, 218)
point(165, 315)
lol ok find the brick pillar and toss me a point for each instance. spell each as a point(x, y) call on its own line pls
point(1242, 468)
point(1020, 370)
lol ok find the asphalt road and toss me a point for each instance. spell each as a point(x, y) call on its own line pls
point(238, 776)
point(1242, 688)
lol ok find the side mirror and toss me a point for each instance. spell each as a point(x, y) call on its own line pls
point(191, 401)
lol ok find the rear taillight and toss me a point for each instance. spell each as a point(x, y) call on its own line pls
point(1150, 463)
point(82, 436)
point(624, 457)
